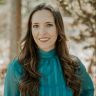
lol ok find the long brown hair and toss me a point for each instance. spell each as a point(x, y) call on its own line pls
point(29, 57)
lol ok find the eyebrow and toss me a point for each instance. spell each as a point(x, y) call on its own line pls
point(45, 22)
point(35, 23)
point(49, 22)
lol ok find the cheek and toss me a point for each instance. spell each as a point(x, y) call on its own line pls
point(34, 34)
point(54, 36)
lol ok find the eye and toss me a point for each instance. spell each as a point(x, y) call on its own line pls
point(49, 25)
point(35, 26)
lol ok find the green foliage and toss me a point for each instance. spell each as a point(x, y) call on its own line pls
point(84, 14)
point(2, 2)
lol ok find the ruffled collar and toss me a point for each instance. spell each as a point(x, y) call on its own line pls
point(46, 54)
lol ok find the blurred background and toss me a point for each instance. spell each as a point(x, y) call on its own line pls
point(80, 27)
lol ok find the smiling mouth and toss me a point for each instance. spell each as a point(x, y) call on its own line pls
point(44, 39)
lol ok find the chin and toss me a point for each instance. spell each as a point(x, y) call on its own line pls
point(45, 48)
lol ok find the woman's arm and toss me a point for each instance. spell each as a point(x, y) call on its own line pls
point(11, 86)
point(87, 88)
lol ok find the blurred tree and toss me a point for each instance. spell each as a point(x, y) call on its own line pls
point(84, 15)
point(15, 26)
point(2, 1)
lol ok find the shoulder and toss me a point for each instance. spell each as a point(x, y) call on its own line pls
point(15, 69)
point(15, 65)
point(86, 81)
point(80, 66)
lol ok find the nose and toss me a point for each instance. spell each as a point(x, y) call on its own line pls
point(42, 30)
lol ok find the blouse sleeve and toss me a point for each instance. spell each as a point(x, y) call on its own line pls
point(11, 86)
point(87, 88)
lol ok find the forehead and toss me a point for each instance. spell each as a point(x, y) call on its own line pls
point(42, 16)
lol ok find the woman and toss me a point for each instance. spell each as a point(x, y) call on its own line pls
point(45, 67)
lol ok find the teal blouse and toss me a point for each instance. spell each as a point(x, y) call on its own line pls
point(52, 82)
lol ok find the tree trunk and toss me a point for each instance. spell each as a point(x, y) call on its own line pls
point(14, 27)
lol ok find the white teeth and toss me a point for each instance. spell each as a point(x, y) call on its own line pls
point(44, 39)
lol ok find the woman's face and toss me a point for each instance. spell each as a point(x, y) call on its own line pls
point(44, 29)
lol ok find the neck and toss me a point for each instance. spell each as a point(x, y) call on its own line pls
point(46, 49)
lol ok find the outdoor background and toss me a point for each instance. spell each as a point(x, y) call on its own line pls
point(79, 18)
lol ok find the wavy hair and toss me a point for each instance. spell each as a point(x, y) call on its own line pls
point(29, 58)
